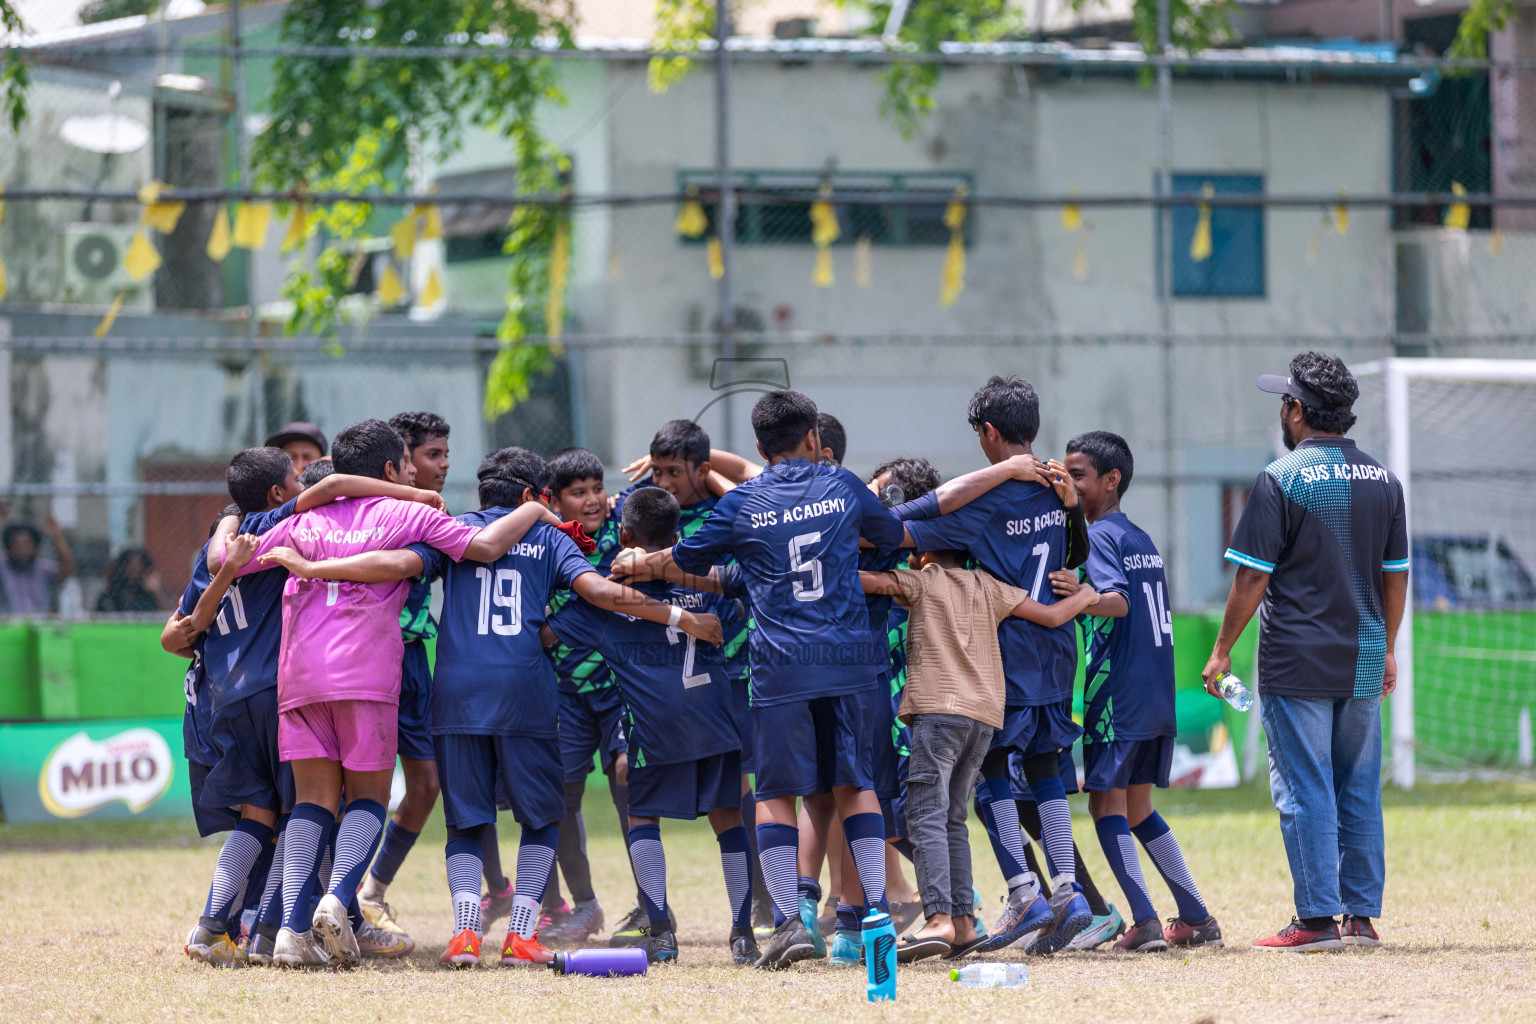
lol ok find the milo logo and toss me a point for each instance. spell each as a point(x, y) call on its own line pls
point(82, 775)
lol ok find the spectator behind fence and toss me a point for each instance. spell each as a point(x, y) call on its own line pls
point(132, 583)
point(28, 582)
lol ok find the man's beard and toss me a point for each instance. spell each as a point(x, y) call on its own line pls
point(1285, 433)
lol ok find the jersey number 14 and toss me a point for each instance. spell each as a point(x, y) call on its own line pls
point(1157, 607)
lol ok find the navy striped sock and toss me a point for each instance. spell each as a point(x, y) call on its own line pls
point(866, 838)
point(398, 841)
point(270, 910)
point(649, 859)
point(256, 881)
point(464, 867)
point(305, 831)
point(777, 847)
point(1120, 851)
point(356, 840)
point(848, 917)
point(1056, 825)
point(736, 863)
point(1163, 847)
point(995, 808)
point(241, 851)
point(535, 860)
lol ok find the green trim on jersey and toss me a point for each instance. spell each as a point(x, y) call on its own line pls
point(591, 673)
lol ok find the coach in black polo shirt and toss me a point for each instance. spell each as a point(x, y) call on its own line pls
point(1323, 544)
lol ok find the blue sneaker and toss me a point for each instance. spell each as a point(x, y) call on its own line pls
point(1026, 911)
point(808, 910)
point(1102, 930)
point(1070, 909)
point(981, 926)
point(847, 947)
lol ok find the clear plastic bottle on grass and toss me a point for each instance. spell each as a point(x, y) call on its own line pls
point(991, 975)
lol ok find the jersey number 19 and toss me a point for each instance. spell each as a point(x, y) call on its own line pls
point(501, 601)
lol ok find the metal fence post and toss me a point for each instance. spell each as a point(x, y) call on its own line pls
point(725, 209)
point(1172, 542)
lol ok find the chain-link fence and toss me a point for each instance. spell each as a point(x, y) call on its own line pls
point(1139, 260)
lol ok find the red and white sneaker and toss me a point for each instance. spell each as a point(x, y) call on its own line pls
point(1203, 933)
point(1296, 938)
point(1357, 931)
point(462, 951)
point(521, 952)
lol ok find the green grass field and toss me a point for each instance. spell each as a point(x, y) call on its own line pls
point(93, 916)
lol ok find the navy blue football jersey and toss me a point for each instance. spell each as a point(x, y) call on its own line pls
point(491, 676)
point(794, 529)
point(197, 721)
point(241, 647)
point(675, 688)
point(1128, 688)
point(581, 669)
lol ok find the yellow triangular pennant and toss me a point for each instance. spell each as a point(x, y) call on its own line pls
point(142, 258)
point(1341, 214)
point(821, 274)
point(862, 269)
point(218, 239)
point(250, 231)
point(1071, 217)
point(111, 317)
point(298, 227)
point(433, 292)
point(2, 279)
point(824, 227)
point(952, 281)
point(1458, 216)
point(559, 268)
point(162, 216)
point(716, 258)
point(391, 288)
point(2, 204)
point(431, 223)
point(403, 235)
point(1200, 245)
point(149, 192)
point(954, 213)
point(691, 221)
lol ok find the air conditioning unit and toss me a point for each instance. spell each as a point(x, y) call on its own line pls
point(93, 262)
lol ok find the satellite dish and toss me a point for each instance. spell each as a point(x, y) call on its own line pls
point(108, 134)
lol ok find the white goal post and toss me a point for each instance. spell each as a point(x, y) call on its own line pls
point(1394, 377)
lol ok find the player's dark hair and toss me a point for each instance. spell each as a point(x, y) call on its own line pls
point(915, 476)
point(228, 510)
point(316, 471)
point(1328, 378)
point(780, 419)
point(366, 447)
point(416, 427)
point(949, 558)
point(1106, 451)
point(253, 473)
point(506, 473)
point(568, 465)
point(832, 435)
point(1011, 405)
point(650, 516)
point(681, 439)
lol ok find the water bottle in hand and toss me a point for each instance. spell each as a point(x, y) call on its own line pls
point(1234, 692)
point(991, 975)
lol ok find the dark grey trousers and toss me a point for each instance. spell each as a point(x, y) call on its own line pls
point(946, 757)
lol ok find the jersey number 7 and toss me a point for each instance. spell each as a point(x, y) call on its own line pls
point(689, 679)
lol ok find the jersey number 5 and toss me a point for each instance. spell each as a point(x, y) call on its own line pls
point(1157, 607)
point(689, 679)
point(798, 563)
point(501, 601)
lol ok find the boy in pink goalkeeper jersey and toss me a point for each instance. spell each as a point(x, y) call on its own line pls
point(338, 679)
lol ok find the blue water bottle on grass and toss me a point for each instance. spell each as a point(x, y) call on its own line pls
point(880, 955)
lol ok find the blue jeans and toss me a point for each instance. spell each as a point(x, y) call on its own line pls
point(1325, 778)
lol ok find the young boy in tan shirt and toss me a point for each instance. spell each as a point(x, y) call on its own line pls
point(953, 701)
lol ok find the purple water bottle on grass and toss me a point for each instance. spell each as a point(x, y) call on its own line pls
point(600, 963)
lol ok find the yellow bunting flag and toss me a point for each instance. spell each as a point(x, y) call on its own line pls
point(1200, 245)
point(1341, 213)
point(716, 258)
point(2, 204)
point(431, 222)
point(821, 274)
point(142, 258)
point(824, 231)
point(403, 235)
point(952, 279)
point(1071, 217)
point(158, 215)
point(433, 292)
point(863, 272)
point(250, 231)
point(298, 227)
point(391, 289)
point(218, 239)
point(1458, 216)
point(559, 270)
point(111, 317)
point(2, 279)
point(691, 222)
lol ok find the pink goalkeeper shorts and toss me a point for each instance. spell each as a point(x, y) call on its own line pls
point(361, 734)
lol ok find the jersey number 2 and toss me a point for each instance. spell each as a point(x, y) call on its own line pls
point(1157, 607)
point(501, 601)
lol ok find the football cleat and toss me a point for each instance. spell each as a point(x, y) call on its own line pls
point(847, 947)
point(744, 946)
point(379, 914)
point(333, 930)
point(791, 942)
point(374, 943)
point(521, 952)
point(660, 947)
point(1202, 933)
point(1144, 937)
point(1102, 930)
point(463, 950)
point(298, 949)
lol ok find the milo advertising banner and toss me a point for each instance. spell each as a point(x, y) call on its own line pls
point(102, 770)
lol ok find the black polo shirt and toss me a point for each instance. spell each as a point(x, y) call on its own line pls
point(1325, 521)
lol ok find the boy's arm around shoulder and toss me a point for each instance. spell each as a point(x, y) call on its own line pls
point(1051, 615)
point(344, 485)
point(368, 567)
point(499, 537)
